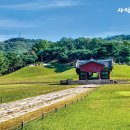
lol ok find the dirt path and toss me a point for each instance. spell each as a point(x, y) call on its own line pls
point(21, 107)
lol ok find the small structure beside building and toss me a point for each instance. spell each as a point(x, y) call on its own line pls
point(94, 69)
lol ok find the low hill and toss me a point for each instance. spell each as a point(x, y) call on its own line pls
point(39, 73)
point(119, 37)
point(32, 71)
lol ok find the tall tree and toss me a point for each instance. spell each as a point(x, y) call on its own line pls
point(3, 63)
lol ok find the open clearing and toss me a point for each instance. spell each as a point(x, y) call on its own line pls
point(40, 73)
point(121, 72)
point(104, 109)
point(12, 92)
point(22, 107)
point(50, 74)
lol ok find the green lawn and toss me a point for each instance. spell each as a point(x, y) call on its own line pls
point(121, 72)
point(17, 91)
point(104, 109)
point(39, 73)
point(13, 92)
point(44, 74)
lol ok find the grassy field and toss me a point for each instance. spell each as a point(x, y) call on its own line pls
point(121, 72)
point(51, 73)
point(16, 91)
point(11, 92)
point(108, 108)
point(38, 113)
point(39, 73)
point(56, 73)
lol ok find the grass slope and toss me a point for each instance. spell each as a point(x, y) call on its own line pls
point(121, 72)
point(57, 73)
point(43, 74)
point(105, 109)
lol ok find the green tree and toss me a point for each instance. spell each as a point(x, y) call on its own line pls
point(124, 54)
point(29, 59)
point(3, 63)
point(41, 45)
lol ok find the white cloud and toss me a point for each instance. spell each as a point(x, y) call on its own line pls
point(8, 23)
point(41, 5)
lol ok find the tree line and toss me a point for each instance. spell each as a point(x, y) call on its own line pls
point(16, 53)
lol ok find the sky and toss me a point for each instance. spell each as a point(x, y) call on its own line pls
point(54, 19)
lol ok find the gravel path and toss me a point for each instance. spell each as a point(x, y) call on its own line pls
point(21, 107)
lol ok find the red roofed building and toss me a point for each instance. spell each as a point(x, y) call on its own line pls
point(94, 69)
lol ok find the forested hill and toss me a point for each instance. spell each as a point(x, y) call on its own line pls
point(18, 45)
point(119, 37)
point(16, 53)
point(22, 45)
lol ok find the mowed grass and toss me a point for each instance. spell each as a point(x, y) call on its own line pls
point(16, 91)
point(104, 109)
point(121, 72)
point(38, 73)
point(50, 73)
point(11, 92)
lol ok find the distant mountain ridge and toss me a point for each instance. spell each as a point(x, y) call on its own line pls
point(18, 45)
point(22, 45)
point(119, 37)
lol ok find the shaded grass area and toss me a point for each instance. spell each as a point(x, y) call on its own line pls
point(16, 91)
point(58, 68)
point(104, 109)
